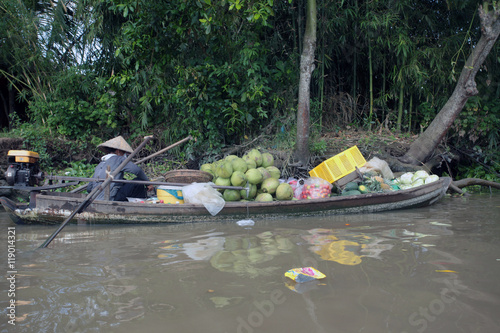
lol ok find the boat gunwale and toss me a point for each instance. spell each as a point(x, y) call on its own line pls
point(443, 183)
point(60, 203)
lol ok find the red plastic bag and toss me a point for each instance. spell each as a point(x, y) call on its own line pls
point(316, 188)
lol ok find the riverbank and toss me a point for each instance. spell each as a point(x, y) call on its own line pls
point(381, 143)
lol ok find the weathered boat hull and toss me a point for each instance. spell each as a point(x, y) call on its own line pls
point(54, 207)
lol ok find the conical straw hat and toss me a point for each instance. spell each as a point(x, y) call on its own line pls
point(117, 143)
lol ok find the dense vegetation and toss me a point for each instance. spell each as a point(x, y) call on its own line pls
point(225, 70)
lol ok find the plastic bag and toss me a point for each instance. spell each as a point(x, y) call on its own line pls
point(379, 166)
point(297, 186)
point(203, 193)
point(304, 274)
point(315, 188)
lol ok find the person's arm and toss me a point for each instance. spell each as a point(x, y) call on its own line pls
point(140, 174)
point(137, 171)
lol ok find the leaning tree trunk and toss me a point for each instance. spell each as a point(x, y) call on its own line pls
point(422, 148)
point(306, 69)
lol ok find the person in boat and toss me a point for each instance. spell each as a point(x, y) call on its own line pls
point(116, 151)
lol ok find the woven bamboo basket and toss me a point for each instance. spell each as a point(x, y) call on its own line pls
point(188, 176)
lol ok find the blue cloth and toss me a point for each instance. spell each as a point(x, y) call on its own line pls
point(119, 192)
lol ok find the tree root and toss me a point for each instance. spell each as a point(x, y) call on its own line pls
point(457, 185)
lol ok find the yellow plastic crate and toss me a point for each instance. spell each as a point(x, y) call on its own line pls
point(339, 165)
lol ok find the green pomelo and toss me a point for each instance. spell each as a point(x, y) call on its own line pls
point(207, 167)
point(256, 156)
point(239, 164)
point(267, 160)
point(284, 192)
point(265, 174)
point(264, 197)
point(215, 164)
point(230, 158)
point(251, 164)
point(223, 181)
point(224, 170)
point(269, 185)
point(238, 178)
point(253, 176)
point(274, 171)
point(231, 195)
point(252, 192)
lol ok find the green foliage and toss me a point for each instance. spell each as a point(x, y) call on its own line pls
point(79, 169)
point(479, 170)
point(427, 113)
point(223, 70)
point(479, 125)
point(318, 147)
point(34, 139)
point(76, 105)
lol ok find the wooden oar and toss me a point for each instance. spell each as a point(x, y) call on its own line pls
point(95, 192)
point(83, 187)
point(164, 149)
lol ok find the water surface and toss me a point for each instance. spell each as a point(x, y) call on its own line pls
point(432, 269)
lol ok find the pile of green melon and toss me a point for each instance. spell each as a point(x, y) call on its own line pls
point(255, 170)
point(370, 184)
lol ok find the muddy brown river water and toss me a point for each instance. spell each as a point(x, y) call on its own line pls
point(432, 269)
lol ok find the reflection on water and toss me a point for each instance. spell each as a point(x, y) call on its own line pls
point(433, 269)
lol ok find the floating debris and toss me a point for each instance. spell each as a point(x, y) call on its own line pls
point(304, 274)
point(245, 223)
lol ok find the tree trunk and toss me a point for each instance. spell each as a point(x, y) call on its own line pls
point(422, 148)
point(12, 106)
point(400, 107)
point(306, 69)
point(410, 109)
point(5, 109)
point(355, 55)
point(370, 71)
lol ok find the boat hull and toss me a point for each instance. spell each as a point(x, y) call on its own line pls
point(55, 207)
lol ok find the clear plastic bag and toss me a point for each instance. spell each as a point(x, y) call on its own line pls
point(297, 186)
point(316, 188)
point(205, 194)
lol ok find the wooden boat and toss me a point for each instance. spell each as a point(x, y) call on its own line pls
point(55, 207)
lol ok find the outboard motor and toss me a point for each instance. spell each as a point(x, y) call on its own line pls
point(23, 169)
